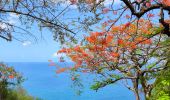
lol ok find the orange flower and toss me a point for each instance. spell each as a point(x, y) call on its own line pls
point(61, 70)
point(95, 34)
point(148, 41)
point(85, 54)
point(73, 78)
point(127, 24)
point(109, 38)
point(133, 45)
point(115, 54)
point(150, 15)
point(11, 76)
point(91, 39)
point(166, 2)
point(62, 50)
point(78, 49)
point(120, 41)
point(115, 28)
point(105, 10)
point(74, 57)
point(103, 41)
point(78, 64)
point(127, 16)
point(139, 39)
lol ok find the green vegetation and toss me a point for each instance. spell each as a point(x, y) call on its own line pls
point(10, 81)
point(161, 89)
point(19, 94)
point(162, 86)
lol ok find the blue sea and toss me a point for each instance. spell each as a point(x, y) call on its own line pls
point(43, 82)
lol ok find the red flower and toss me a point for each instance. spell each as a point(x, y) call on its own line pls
point(115, 12)
point(73, 78)
point(150, 15)
point(85, 54)
point(120, 41)
point(148, 4)
point(11, 76)
point(73, 1)
point(115, 54)
point(61, 70)
point(109, 38)
point(127, 24)
point(148, 41)
point(127, 16)
point(166, 2)
point(105, 10)
point(62, 50)
point(105, 24)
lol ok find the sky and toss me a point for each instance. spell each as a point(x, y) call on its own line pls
point(28, 51)
point(16, 51)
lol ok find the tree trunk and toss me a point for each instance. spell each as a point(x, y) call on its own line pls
point(135, 85)
point(147, 93)
point(137, 95)
point(146, 88)
point(146, 96)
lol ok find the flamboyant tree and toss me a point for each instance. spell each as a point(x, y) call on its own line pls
point(125, 53)
point(8, 78)
point(116, 10)
point(55, 15)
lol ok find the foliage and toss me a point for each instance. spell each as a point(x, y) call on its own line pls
point(117, 10)
point(123, 54)
point(54, 15)
point(9, 75)
point(9, 85)
point(19, 94)
point(161, 89)
point(46, 14)
point(8, 78)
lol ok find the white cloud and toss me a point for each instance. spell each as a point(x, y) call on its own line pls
point(13, 18)
point(55, 55)
point(26, 43)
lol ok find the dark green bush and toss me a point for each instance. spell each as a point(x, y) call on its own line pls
point(10, 81)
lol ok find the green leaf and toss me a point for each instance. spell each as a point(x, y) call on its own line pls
point(116, 76)
point(151, 65)
point(138, 51)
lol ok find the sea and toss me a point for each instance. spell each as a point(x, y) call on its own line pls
point(42, 81)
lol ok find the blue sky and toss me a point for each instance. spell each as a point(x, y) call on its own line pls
point(35, 52)
point(29, 51)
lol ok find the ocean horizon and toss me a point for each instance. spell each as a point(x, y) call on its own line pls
point(43, 82)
